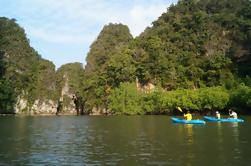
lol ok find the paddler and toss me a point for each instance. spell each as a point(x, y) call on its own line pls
point(233, 114)
point(188, 116)
point(217, 114)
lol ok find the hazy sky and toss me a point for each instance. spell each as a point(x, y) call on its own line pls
point(63, 30)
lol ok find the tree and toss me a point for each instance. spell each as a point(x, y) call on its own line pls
point(125, 100)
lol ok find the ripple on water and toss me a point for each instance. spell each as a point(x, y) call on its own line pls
point(146, 140)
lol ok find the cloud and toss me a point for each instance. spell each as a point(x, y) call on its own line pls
point(63, 30)
point(55, 37)
point(141, 17)
point(76, 21)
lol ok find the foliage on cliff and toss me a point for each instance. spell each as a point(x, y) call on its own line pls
point(71, 74)
point(191, 50)
point(195, 44)
point(110, 39)
point(69, 84)
point(23, 71)
point(109, 62)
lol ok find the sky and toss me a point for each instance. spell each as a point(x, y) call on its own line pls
point(63, 30)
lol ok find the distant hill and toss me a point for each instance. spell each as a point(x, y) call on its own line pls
point(195, 44)
point(28, 83)
point(27, 73)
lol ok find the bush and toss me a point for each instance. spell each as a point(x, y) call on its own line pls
point(241, 97)
point(127, 100)
point(199, 99)
point(7, 97)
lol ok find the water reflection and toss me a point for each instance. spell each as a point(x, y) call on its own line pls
point(220, 141)
point(236, 134)
point(235, 128)
point(219, 132)
point(189, 131)
point(150, 140)
point(189, 136)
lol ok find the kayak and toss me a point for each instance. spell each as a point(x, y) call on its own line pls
point(213, 119)
point(183, 121)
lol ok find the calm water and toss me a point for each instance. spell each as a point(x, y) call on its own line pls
point(122, 140)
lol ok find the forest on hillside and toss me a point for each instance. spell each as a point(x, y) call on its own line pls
point(197, 56)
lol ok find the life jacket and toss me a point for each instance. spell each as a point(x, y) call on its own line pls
point(188, 116)
point(218, 116)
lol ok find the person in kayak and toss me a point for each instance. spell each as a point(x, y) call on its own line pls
point(233, 114)
point(188, 116)
point(218, 115)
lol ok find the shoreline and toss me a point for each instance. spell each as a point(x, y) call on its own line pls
point(38, 115)
point(93, 115)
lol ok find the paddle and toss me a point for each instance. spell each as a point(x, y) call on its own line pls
point(179, 109)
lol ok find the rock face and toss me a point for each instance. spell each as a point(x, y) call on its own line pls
point(21, 105)
point(67, 98)
point(69, 80)
point(59, 95)
point(147, 88)
point(99, 111)
point(38, 107)
point(44, 107)
point(48, 106)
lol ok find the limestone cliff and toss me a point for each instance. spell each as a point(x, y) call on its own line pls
point(67, 98)
point(69, 82)
point(38, 107)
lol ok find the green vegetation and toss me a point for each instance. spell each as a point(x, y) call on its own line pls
point(241, 97)
point(196, 56)
point(71, 74)
point(69, 84)
point(109, 62)
point(16, 55)
point(196, 44)
point(7, 94)
point(128, 100)
point(7, 97)
point(193, 52)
